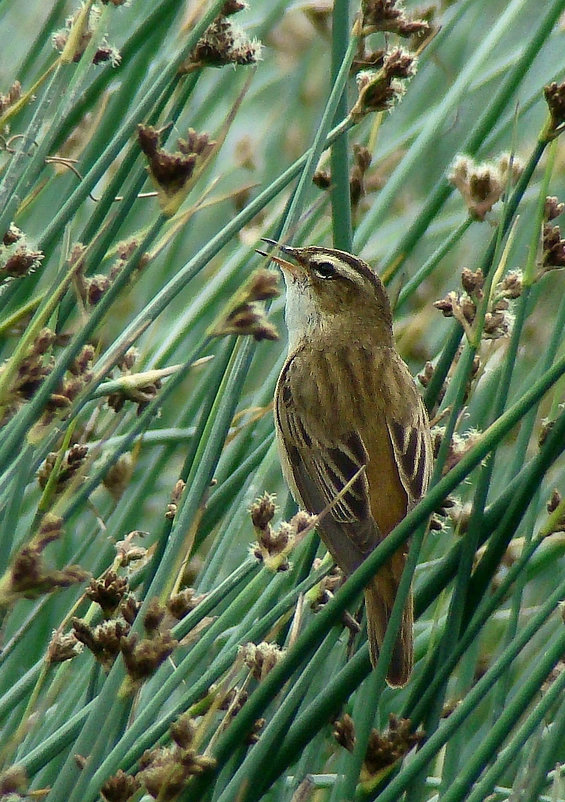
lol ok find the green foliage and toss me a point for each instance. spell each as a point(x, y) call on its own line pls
point(143, 605)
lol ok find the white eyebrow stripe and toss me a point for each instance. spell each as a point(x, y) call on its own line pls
point(341, 267)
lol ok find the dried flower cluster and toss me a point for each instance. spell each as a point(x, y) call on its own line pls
point(441, 513)
point(383, 749)
point(426, 376)
point(36, 366)
point(261, 658)
point(172, 507)
point(163, 771)
point(553, 247)
point(92, 289)
point(182, 603)
point(321, 593)
point(10, 97)
point(63, 647)
point(71, 463)
point(13, 780)
point(553, 208)
point(104, 52)
point(142, 656)
point(344, 732)
point(17, 259)
point(460, 515)
point(556, 509)
point(108, 592)
point(102, 640)
point(120, 787)
point(546, 426)
point(482, 184)
point(128, 551)
point(460, 445)
point(463, 306)
point(224, 42)
point(380, 89)
point(172, 172)
point(234, 700)
point(243, 315)
point(380, 73)
point(555, 98)
point(28, 576)
point(118, 476)
point(389, 16)
point(361, 162)
point(273, 547)
point(140, 394)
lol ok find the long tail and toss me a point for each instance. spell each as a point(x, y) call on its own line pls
point(379, 607)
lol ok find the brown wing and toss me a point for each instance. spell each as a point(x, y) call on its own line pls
point(317, 469)
point(411, 443)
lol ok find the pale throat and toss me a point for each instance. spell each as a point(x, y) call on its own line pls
point(303, 316)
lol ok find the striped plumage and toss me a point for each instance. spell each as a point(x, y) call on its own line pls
point(345, 399)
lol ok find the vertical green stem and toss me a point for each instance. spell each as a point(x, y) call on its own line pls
point(339, 159)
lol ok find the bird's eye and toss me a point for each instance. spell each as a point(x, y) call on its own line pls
point(324, 270)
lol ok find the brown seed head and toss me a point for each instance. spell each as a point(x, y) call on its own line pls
point(386, 749)
point(553, 208)
point(63, 647)
point(12, 96)
point(13, 780)
point(108, 592)
point(344, 732)
point(263, 511)
point(121, 786)
point(555, 98)
point(554, 500)
point(389, 16)
point(260, 659)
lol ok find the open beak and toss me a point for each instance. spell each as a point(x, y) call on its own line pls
point(287, 266)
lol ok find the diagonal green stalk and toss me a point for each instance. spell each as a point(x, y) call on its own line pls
point(311, 637)
point(18, 428)
point(470, 543)
point(91, 729)
point(512, 713)
point(241, 787)
point(450, 348)
point(145, 731)
point(164, 75)
point(539, 673)
point(376, 681)
point(320, 710)
point(518, 494)
point(424, 690)
point(529, 277)
point(20, 165)
point(474, 139)
point(431, 263)
point(544, 760)
point(219, 369)
point(318, 713)
point(322, 133)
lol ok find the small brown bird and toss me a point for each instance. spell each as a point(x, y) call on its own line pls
point(345, 399)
